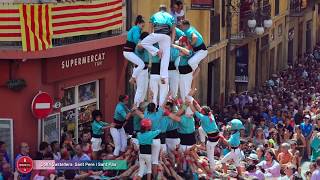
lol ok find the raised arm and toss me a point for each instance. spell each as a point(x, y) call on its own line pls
point(182, 49)
point(173, 33)
point(194, 39)
point(139, 113)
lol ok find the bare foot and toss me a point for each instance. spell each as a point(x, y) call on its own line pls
point(160, 53)
point(132, 80)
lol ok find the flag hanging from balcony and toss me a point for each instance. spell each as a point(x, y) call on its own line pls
point(36, 26)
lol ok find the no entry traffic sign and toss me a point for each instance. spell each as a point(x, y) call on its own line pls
point(42, 105)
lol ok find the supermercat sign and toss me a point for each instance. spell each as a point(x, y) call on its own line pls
point(77, 65)
point(96, 59)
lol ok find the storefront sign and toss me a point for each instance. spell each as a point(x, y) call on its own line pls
point(201, 4)
point(242, 64)
point(42, 105)
point(64, 67)
point(97, 59)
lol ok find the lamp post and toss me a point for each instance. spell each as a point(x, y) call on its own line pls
point(260, 20)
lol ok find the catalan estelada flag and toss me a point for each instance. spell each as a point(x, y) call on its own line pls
point(36, 26)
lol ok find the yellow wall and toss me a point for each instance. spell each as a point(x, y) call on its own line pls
point(284, 4)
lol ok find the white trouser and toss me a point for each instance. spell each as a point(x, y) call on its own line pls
point(155, 151)
point(119, 139)
point(172, 143)
point(158, 88)
point(195, 60)
point(164, 44)
point(235, 155)
point(174, 82)
point(144, 163)
point(183, 148)
point(132, 57)
point(96, 144)
point(142, 87)
point(164, 148)
point(210, 154)
point(202, 134)
point(185, 82)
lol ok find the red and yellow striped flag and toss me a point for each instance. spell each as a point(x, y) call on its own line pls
point(36, 26)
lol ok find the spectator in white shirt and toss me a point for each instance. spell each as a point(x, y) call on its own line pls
point(270, 167)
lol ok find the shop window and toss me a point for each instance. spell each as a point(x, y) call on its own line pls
point(50, 128)
point(6, 135)
point(81, 100)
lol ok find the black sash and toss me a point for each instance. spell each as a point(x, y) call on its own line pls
point(213, 137)
point(172, 66)
point(119, 124)
point(187, 139)
point(129, 46)
point(172, 134)
point(185, 69)
point(162, 29)
point(155, 68)
point(145, 149)
point(200, 47)
point(145, 66)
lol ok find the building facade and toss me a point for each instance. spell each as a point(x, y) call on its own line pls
point(294, 32)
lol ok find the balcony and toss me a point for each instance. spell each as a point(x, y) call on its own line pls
point(298, 7)
point(71, 22)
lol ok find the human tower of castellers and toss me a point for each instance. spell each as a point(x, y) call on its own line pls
point(167, 123)
point(164, 124)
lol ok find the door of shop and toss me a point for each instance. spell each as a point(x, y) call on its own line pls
point(78, 103)
point(213, 82)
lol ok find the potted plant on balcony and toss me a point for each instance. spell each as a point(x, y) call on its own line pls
point(16, 84)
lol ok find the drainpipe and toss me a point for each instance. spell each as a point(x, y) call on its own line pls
point(228, 58)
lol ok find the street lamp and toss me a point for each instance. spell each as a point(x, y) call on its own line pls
point(260, 16)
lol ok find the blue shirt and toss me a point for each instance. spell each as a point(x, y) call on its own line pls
point(209, 126)
point(186, 125)
point(162, 18)
point(189, 33)
point(142, 54)
point(274, 119)
point(84, 157)
point(121, 112)
point(183, 61)
point(147, 137)
point(172, 125)
point(306, 129)
point(234, 139)
point(136, 123)
point(164, 123)
point(97, 127)
point(134, 34)
point(174, 54)
point(155, 118)
point(179, 33)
